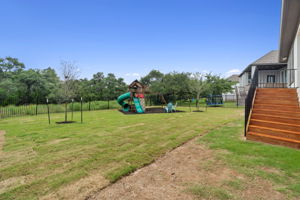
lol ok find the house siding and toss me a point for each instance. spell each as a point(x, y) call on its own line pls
point(294, 62)
point(244, 81)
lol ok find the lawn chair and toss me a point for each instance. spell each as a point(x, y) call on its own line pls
point(174, 108)
point(170, 108)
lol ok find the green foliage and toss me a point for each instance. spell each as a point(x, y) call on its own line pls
point(218, 85)
point(184, 85)
point(19, 86)
point(210, 192)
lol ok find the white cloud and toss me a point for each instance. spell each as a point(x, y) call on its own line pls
point(232, 71)
point(129, 77)
point(133, 74)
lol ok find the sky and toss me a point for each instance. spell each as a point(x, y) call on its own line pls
point(131, 37)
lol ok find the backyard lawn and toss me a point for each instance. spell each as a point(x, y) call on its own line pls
point(38, 159)
point(260, 170)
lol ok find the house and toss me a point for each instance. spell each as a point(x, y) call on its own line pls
point(272, 112)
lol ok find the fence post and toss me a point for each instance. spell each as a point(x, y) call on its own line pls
point(108, 104)
point(81, 119)
point(89, 104)
point(190, 105)
point(36, 107)
point(48, 111)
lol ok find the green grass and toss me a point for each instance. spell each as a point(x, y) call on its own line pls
point(39, 158)
point(210, 192)
point(280, 165)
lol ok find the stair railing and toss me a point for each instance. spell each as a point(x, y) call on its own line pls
point(249, 101)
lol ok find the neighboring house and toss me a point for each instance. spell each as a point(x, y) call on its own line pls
point(272, 112)
point(233, 78)
point(232, 96)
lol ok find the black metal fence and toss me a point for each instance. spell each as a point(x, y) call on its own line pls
point(13, 110)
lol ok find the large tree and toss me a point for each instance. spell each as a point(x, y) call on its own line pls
point(69, 74)
point(199, 86)
point(218, 85)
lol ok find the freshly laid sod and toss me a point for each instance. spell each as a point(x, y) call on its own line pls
point(39, 159)
point(279, 165)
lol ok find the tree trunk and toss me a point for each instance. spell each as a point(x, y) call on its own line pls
point(66, 112)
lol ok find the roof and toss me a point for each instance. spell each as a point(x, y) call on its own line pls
point(290, 19)
point(136, 83)
point(269, 60)
point(233, 78)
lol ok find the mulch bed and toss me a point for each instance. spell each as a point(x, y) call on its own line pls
point(65, 122)
point(149, 111)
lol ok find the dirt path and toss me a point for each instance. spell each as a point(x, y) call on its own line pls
point(171, 176)
point(2, 138)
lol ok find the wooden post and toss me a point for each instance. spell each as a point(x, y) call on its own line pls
point(36, 107)
point(48, 111)
point(81, 110)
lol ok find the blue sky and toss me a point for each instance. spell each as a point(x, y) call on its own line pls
point(131, 37)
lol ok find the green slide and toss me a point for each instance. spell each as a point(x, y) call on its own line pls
point(139, 108)
point(121, 101)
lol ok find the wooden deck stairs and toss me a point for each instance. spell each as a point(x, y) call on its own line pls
point(275, 117)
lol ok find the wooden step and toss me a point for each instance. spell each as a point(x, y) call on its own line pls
point(280, 112)
point(276, 118)
point(291, 98)
point(276, 107)
point(276, 93)
point(273, 140)
point(277, 102)
point(277, 125)
point(282, 90)
point(275, 132)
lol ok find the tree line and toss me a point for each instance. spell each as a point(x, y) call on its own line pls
point(19, 85)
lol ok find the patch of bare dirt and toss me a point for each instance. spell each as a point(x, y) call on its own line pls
point(2, 140)
point(80, 189)
point(271, 170)
point(11, 183)
point(134, 125)
point(170, 176)
point(57, 141)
